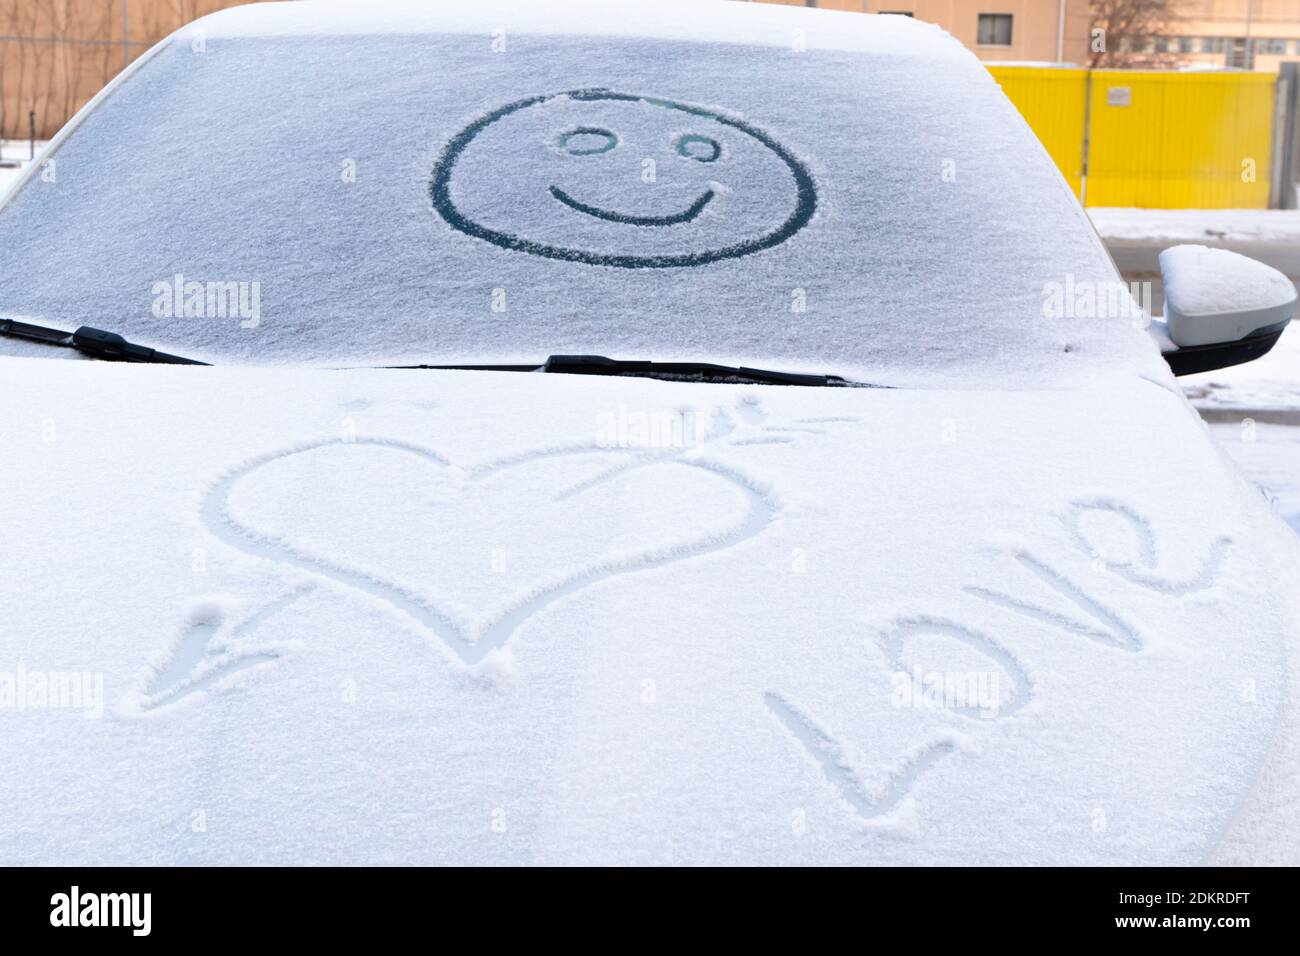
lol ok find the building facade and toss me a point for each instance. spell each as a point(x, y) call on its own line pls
point(1198, 34)
point(1039, 31)
point(1236, 34)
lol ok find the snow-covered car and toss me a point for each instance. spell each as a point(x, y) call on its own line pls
point(869, 544)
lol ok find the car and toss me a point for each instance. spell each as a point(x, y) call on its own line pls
point(651, 433)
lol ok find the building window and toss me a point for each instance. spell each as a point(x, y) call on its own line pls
point(1161, 45)
point(1184, 44)
point(1240, 54)
point(1211, 44)
point(1273, 47)
point(994, 29)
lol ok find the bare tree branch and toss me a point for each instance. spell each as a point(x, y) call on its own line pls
point(1128, 33)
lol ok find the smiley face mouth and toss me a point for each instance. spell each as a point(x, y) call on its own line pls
point(686, 215)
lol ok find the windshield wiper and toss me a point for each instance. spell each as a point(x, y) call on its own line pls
point(706, 371)
point(93, 342)
point(99, 344)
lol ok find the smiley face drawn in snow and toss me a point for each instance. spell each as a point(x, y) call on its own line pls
point(569, 176)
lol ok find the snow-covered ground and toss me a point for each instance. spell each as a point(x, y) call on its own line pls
point(1268, 454)
point(1271, 382)
point(1233, 227)
point(1254, 412)
point(1253, 409)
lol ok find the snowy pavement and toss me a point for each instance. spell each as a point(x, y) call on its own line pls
point(1263, 440)
point(1253, 411)
point(1231, 227)
point(1267, 454)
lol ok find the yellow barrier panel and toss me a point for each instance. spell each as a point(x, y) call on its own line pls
point(1159, 140)
point(1180, 140)
point(1053, 102)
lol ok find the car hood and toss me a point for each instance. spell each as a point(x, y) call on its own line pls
point(257, 616)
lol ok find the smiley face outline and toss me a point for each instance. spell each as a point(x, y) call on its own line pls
point(440, 192)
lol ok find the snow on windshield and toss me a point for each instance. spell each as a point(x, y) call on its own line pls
point(870, 206)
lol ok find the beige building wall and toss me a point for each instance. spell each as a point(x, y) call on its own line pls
point(1217, 32)
point(1040, 29)
point(1240, 34)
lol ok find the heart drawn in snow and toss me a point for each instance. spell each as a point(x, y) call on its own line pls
point(471, 554)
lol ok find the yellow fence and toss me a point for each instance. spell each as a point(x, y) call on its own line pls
point(1153, 139)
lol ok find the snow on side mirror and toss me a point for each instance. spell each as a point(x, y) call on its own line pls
point(1221, 308)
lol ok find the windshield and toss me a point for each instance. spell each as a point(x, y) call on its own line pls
point(366, 199)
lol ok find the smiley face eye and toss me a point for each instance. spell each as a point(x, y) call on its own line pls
point(702, 149)
point(587, 141)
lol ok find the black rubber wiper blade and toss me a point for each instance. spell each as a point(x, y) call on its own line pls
point(93, 342)
point(600, 365)
point(36, 333)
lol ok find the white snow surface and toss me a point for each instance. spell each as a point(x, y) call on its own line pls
point(1173, 226)
point(1202, 280)
point(1268, 453)
point(405, 617)
point(812, 180)
point(1271, 382)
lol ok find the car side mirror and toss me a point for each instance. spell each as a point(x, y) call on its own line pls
point(1221, 308)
